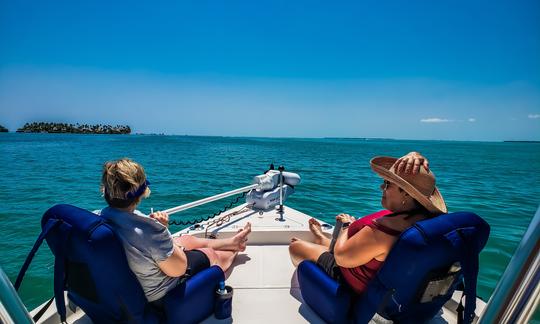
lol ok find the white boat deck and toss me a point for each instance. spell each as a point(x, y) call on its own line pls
point(266, 289)
point(263, 277)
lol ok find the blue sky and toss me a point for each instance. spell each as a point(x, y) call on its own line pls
point(461, 70)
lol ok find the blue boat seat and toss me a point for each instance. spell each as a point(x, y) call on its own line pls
point(91, 265)
point(423, 269)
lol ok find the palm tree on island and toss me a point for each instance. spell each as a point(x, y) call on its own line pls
point(41, 127)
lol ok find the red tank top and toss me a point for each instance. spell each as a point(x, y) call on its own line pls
point(359, 277)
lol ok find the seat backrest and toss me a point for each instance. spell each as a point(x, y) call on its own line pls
point(91, 261)
point(420, 273)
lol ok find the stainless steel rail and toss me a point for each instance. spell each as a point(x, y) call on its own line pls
point(517, 294)
point(210, 199)
point(12, 309)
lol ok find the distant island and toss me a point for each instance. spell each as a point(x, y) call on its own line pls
point(522, 141)
point(3, 129)
point(74, 129)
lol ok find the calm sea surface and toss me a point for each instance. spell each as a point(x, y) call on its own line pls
point(498, 181)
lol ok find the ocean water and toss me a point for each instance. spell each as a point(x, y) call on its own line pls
point(498, 181)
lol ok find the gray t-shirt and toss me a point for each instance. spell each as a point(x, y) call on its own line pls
point(146, 242)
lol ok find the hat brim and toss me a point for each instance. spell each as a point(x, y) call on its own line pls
point(382, 165)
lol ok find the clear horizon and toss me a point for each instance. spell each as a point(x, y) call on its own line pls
point(420, 71)
point(299, 138)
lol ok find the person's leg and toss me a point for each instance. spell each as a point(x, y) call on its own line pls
point(302, 250)
point(223, 259)
point(235, 243)
point(316, 230)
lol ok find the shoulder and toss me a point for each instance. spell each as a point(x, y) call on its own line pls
point(366, 220)
point(149, 225)
point(400, 223)
point(124, 219)
point(370, 234)
point(393, 224)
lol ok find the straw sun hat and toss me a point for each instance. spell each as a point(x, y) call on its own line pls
point(420, 186)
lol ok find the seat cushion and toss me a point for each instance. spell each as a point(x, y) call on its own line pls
point(329, 299)
point(193, 300)
point(429, 247)
point(99, 280)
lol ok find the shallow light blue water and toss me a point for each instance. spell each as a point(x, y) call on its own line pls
point(498, 181)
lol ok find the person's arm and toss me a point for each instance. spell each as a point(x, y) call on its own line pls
point(161, 217)
point(411, 162)
point(361, 248)
point(176, 264)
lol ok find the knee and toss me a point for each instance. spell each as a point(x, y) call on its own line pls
point(185, 241)
point(211, 255)
point(295, 247)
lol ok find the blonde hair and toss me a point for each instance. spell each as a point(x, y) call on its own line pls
point(120, 178)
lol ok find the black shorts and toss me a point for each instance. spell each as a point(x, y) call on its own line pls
point(328, 263)
point(197, 261)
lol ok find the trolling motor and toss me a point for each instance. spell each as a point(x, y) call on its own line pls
point(267, 191)
point(275, 186)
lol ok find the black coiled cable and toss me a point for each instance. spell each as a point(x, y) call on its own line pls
point(204, 219)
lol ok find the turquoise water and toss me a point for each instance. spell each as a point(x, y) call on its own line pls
point(498, 181)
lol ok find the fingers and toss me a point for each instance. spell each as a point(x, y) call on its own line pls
point(402, 164)
point(158, 214)
point(416, 166)
point(161, 217)
point(399, 165)
point(426, 165)
point(345, 218)
point(411, 163)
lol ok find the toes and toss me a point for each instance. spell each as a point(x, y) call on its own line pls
point(244, 232)
point(314, 222)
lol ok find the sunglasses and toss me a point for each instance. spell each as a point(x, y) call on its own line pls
point(385, 185)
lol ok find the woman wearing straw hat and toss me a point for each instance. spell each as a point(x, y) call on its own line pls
point(409, 195)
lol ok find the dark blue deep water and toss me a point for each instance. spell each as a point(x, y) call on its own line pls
point(498, 181)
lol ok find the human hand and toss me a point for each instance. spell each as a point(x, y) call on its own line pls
point(410, 163)
point(161, 217)
point(345, 218)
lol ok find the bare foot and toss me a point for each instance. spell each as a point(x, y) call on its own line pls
point(294, 239)
point(315, 228)
point(240, 239)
